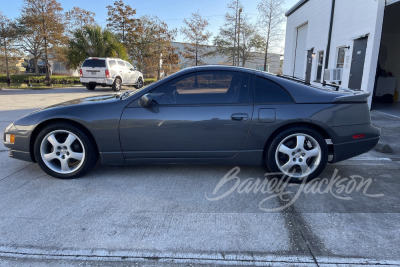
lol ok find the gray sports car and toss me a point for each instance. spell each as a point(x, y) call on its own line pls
point(201, 115)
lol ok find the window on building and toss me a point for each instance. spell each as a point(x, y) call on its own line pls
point(320, 65)
point(340, 58)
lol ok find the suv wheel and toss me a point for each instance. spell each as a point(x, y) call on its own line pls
point(139, 83)
point(117, 85)
point(91, 86)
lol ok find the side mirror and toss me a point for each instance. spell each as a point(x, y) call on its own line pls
point(146, 100)
point(134, 68)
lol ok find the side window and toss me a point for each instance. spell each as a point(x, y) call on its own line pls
point(129, 65)
point(211, 87)
point(112, 63)
point(267, 92)
point(121, 64)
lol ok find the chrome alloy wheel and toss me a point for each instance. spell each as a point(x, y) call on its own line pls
point(62, 151)
point(298, 155)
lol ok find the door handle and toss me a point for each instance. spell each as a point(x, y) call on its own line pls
point(240, 117)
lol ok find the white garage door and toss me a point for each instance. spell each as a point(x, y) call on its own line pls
point(300, 54)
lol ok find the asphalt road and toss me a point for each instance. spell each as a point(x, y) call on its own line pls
point(177, 215)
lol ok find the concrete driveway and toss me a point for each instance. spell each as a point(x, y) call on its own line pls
point(176, 215)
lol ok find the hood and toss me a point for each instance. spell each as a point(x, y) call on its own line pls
point(84, 101)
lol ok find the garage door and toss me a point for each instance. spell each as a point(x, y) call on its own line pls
point(300, 53)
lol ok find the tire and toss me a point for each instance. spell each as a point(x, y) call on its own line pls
point(139, 83)
point(64, 151)
point(297, 153)
point(117, 85)
point(91, 86)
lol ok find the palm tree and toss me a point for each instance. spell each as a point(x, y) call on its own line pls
point(93, 41)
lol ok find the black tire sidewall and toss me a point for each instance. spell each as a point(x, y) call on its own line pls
point(114, 86)
point(90, 150)
point(90, 87)
point(271, 149)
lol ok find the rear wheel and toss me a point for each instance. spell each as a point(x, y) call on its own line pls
point(91, 86)
point(64, 151)
point(298, 153)
point(117, 85)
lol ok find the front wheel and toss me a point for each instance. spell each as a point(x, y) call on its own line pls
point(298, 153)
point(117, 85)
point(64, 151)
point(139, 83)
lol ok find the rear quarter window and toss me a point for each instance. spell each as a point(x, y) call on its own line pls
point(268, 92)
point(94, 63)
point(112, 63)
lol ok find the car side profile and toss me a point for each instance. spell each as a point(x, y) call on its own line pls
point(113, 72)
point(201, 115)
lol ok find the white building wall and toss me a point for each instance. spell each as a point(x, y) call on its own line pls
point(317, 14)
point(352, 20)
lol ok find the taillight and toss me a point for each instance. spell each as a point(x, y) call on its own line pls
point(80, 72)
point(107, 74)
point(358, 136)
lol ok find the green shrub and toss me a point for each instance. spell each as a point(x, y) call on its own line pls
point(37, 79)
point(148, 81)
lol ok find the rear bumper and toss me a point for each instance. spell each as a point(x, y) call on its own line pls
point(105, 81)
point(347, 147)
point(352, 149)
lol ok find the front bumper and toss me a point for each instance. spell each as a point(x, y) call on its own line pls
point(104, 81)
point(21, 147)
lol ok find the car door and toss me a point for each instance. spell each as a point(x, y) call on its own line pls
point(199, 115)
point(123, 72)
point(132, 73)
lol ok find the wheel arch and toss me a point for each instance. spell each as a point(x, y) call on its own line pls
point(46, 123)
point(284, 127)
point(118, 77)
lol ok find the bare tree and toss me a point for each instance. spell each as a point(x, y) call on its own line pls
point(77, 18)
point(121, 19)
point(153, 46)
point(237, 38)
point(44, 17)
point(271, 18)
point(197, 36)
point(7, 36)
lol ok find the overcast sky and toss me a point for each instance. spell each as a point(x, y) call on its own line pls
point(172, 11)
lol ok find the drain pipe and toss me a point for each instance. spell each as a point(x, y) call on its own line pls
point(328, 48)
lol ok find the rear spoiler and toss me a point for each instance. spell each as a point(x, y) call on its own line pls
point(358, 97)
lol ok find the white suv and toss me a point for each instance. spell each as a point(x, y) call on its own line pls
point(113, 72)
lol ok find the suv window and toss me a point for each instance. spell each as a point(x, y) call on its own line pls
point(94, 63)
point(267, 91)
point(129, 65)
point(121, 63)
point(211, 87)
point(112, 63)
